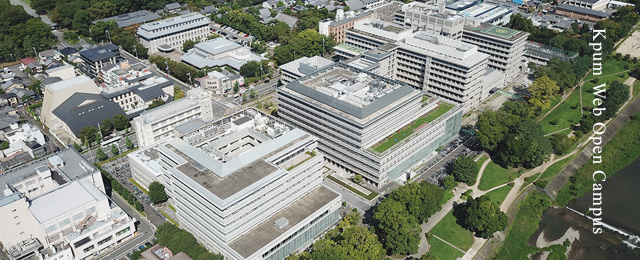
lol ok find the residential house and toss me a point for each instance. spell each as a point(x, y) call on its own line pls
point(220, 82)
point(172, 7)
point(49, 55)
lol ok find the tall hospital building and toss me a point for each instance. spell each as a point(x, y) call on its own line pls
point(56, 208)
point(370, 125)
point(247, 185)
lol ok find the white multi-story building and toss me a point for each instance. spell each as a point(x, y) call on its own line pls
point(598, 5)
point(220, 82)
point(301, 67)
point(248, 185)
point(504, 46)
point(474, 23)
point(370, 125)
point(134, 86)
point(439, 65)
point(156, 124)
point(171, 33)
point(56, 208)
point(219, 52)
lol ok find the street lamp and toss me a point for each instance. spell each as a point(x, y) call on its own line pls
point(36, 52)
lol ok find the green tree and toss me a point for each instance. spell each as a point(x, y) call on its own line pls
point(157, 193)
point(188, 45)
point(36, 87)
point(156, 103)
point(77, 147)
point(429, 257)
point(236, 87)
point(398, 230)
point(114, 150)
point(100, 155)
point(81, 21)
point(120, 122)
point(4, 145)
point(177, 93)
point(492, 127)
point(138, 206)
point(465, 170)
point(484, 217)
point(525, 145)
point(102, 9)
point(561, 143)
point(129, 144)
point(449, 182)
point(106, 127)
point(250, 69)
point(542, 90)
point(87, 134)
point(357, 178)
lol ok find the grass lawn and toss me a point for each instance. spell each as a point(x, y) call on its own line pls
point(495, 175)
point(565, 114)
point(453, 233)
point(442, 250)
point(556, 99)
point(171, 207)
point(523, 226)
point(498, 195)
point(636, 88)
point(408, 129)
point(553, 171)
point(447, 196)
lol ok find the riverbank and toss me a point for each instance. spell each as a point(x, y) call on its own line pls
point(620, 151)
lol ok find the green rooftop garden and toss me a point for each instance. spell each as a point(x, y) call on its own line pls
point(407, 130)
point(351, 48)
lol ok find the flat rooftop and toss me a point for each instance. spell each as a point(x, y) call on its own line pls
point(347, 89)
point(231, 154)
point(64, 200)
point(498, 31)
point(71, 166)
point(267, 231)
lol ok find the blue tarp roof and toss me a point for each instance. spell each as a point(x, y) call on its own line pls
point(518, 1)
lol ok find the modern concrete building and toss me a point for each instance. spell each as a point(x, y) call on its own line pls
point(301, 67)
point(597, 5)
point(219, 52)
point(504, 46)
point(59, 91)
point(247, 185)
point(220, 82)
point(133, 18)
point(56, 208)
point(156, 124)
point(439, 65)
point(342, 22)
point(370, 125)
point(577, 12)
point(95, 59)
point(171, 33)
point(133, 86)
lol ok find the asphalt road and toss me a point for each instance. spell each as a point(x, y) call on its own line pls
point(268, 87)
point(144, 230)
point(352, 199)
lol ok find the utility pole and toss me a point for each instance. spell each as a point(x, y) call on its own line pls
point(135, 49)
point(322, 47)
point(190, 83)
point(108, 36)
point(36, 52)
point(167, 64)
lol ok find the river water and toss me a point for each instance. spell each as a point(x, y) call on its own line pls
point(621, 213)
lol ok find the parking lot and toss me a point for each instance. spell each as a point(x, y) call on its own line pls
point(231, 34)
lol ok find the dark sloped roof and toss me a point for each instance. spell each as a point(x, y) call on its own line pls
point(100, 53)
point(172, 6)
point(153, 92)
point(50, 80)
point(581, 10)
point(85, 109)
point(68, 51)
